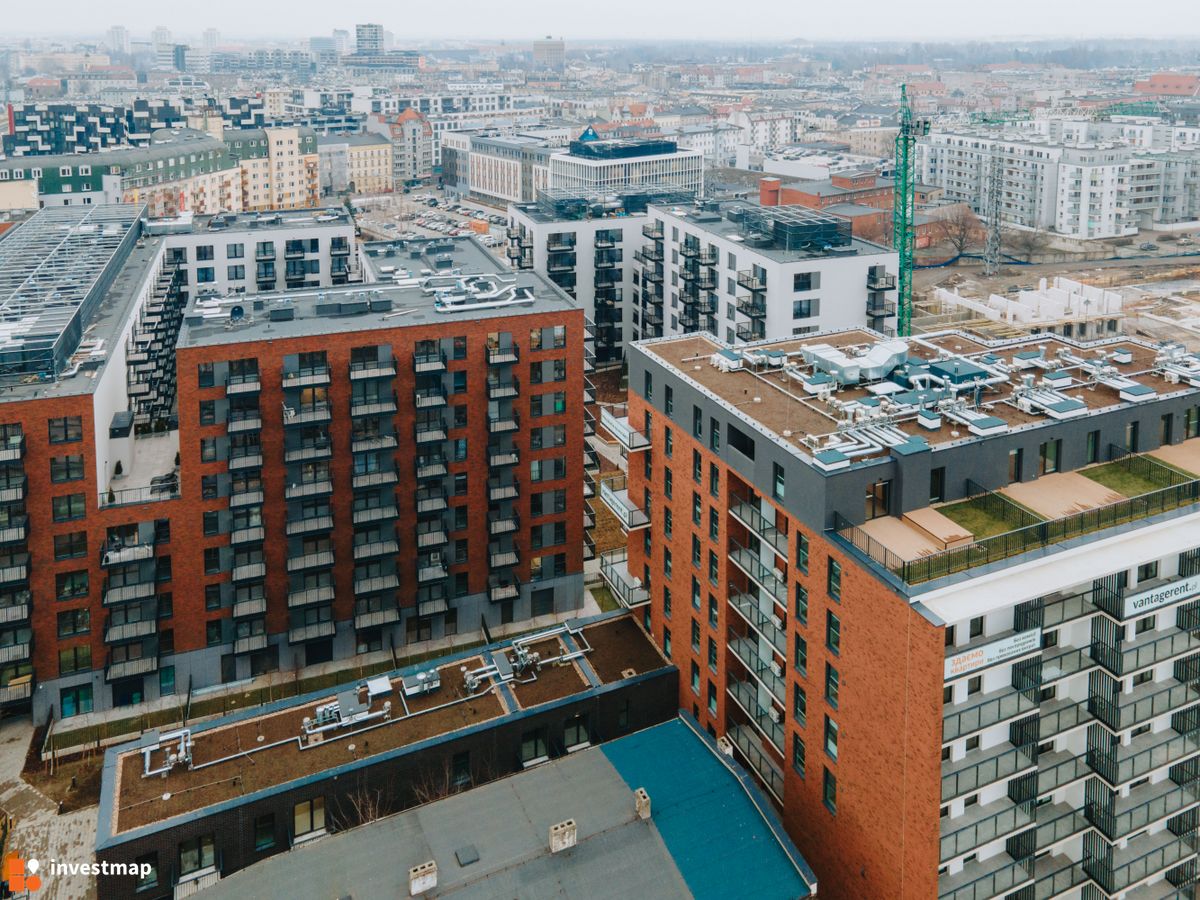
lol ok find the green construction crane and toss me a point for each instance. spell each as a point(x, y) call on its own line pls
point(904, 208)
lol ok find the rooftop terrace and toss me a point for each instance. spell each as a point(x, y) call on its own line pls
point(840, 398)
point(241, 755)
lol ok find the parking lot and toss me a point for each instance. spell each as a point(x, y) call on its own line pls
point(428, 213)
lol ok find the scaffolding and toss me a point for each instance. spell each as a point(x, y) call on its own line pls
point(794, 228)
point(54, 270)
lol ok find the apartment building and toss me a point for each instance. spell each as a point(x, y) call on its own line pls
point(586, 244)
point(280, 167)
point(939, 593)
point(592, 164)
point(42, 129)
point(177, 459)
point(356, 164)
point(742, 271)
point(411, 138)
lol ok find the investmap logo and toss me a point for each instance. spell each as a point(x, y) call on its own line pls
point(20, 874)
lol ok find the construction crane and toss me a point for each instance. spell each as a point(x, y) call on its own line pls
point(904, 207)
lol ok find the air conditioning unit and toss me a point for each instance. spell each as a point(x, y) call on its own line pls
point(435, 558)
point(775, 715)
point(776, 621)
point(776, 669)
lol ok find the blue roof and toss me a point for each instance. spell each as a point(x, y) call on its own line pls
point(719, 830)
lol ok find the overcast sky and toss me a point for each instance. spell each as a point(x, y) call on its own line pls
point(646, 19)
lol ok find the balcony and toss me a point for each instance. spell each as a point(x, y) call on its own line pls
point(431, 465)
point(431, 499)
point(120, 555)
point(748, 281)
point(754, 307)
point(19, 652)
point(313, 376)
point(500, 558)
point(431, 533)
point(984, 711)
point(1146, 753)
point(374, 443)
point(375, 549)
point(250, 571)
point(1144, 806)
point(761, 665)
point(430, 430)
point(614, 493)
point(128, 668)
point(17, 691)
point(756, 522)
point(243, 420)
point(318, 559)
point(316, 630)
point(1144, 702)
point(127, 593)
point(771, 580)
point(997, 876)
point(13, 449)
point(502, 356)
point(309, 452)
point(503, 587)
point(307, 414)
point(246, 383)
point(653, 231)
point(249, 643)
point(309, 525)
point(429, 398)
point(429, 362)
point(14, 489)
point(305, 489)
point(1149, 649)
point(982, 767)
point(245, 460)
point(498, 490)
point(615, 420)
point(981, 824)
point(367, 514)
point(368, 480)
point(768, 721)
point(254, 606)
point(766, 624)
point(501, 457)
point(310, 596)
point(15, 612)
point(757, 759)
point(503, 389)
point(1057, 876)
point(504, 423)
point(374, 584)
point(880, 282)
point(115, 633)
point(384, 404)
point(1142, 858)
point(503, 523)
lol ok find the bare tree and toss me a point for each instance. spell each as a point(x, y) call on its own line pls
point(1025, 244)
point(960, 229)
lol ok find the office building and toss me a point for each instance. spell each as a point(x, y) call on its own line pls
point(743, 271)
point(549, 54)
point(939, 593)
point(596, 165)
point(588, 245)
point(186, 453)
point(368, 39)
point(356, 164)
point(117, 39)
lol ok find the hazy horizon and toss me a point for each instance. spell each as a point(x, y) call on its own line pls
point(755, 20)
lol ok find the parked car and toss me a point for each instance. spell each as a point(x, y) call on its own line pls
point(1148, 245)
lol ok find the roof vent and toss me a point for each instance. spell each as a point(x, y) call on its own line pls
point(422, 878)
point(563, 836)
point(641, 803)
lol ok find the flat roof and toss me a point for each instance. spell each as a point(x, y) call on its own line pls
point(251, 222)
point(710, 835)
point(411, 283)
point(256, 752)
point(55, 269)
point(827, 395)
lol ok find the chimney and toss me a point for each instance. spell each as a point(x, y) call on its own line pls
point(768, 191)
point(422, 878)
point(562, 836)
point(641, 803)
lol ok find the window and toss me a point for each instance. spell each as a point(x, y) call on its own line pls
point(235, 251)
point(712, 699)
point(833, 580)
point(235, 273)
point(833, 633)
point(666, 642)
point(264, 832)
point(798, 755)
point(68, 585)
point(800, 655)
point(878, 499)
point(66, 430)
point(832, 683)
point(74, 622)
point(806, 309)
point(1016, 457)
point(208, 412)
point(829, 792)
point(308, 816)
point(831, 738)
point(1147, 571)
point(212, 633)
point(976, 627)
point(802, 553)
point(147, 871)
point(1049, 454)
point(197, 854)
point(74, 701)
point(71, 545)
point(204, 252)
point(937, 484)
point(799, 705)
point(1131, 437)
point(68, 507)
point(778, 485)
point(712, 654)
point(533, 746)
point(1093, 447)
point(66, 468)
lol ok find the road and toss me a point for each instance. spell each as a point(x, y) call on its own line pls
point(1026, 277)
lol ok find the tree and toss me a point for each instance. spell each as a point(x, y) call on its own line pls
point(1025, 244)
point(960, 229)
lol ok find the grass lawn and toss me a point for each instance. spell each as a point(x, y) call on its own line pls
point(604, 598)
point(976, 519)
point(1118, 478)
